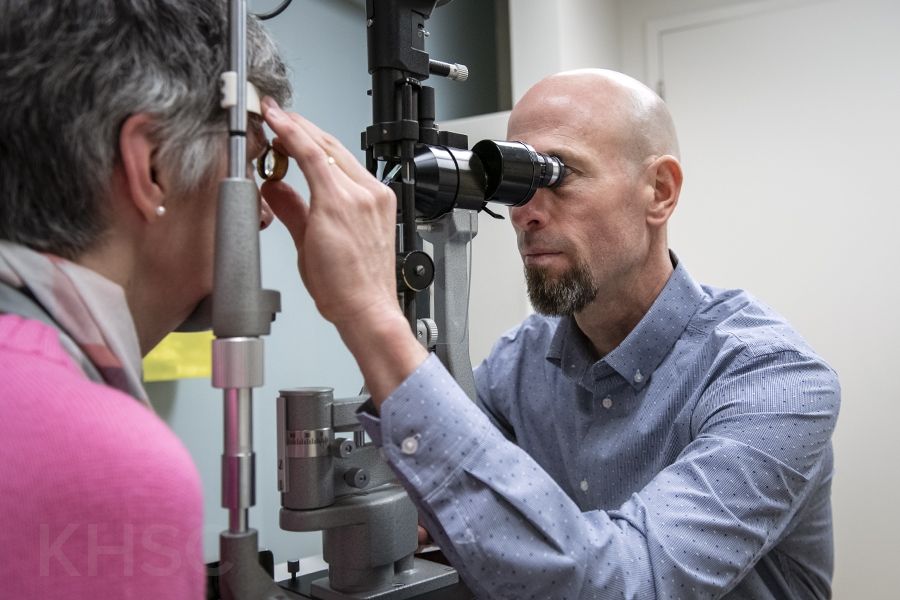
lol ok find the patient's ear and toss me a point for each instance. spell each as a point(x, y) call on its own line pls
point(137, 150)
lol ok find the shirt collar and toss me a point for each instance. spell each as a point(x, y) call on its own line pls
point(641, 352)
point(571, 350)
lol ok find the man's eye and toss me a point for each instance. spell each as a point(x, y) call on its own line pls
point(566, 174)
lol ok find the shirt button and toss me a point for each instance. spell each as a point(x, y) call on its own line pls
point(409, 445)
point(607, 403)
point(638, 376)
point(584, 485)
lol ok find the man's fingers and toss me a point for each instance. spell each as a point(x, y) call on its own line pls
point(424, 538)
point(328, 166)
point(337, 181)
point(344, 158)
point(288, 206)
point(310, 156)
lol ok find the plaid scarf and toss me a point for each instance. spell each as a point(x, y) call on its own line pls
point(89, 308)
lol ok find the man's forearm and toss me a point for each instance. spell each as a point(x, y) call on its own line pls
point(386, 351)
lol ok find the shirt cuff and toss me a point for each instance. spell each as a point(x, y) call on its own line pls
point(428, 428)
point(371, 423)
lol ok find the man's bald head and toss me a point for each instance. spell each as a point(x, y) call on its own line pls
point(599, 239)
point(629, 113)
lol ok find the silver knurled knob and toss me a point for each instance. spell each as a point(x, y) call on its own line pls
point(461, 73)
point(427, 332)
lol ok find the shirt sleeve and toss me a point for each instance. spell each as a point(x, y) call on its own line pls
point(694, 531)
point(486, 402)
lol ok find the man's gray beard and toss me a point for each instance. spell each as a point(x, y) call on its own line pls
point(560, 296)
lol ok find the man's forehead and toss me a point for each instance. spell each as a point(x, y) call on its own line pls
point(580, 98)
point(535, 113)
point(571, 122)
point(561, 126)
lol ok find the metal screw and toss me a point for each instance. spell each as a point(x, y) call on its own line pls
point(369, 22)
point(342, 448)
point(357, 478)
point(420, 270)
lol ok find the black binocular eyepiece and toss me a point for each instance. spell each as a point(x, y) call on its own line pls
point(514, 171)
point(492, 171)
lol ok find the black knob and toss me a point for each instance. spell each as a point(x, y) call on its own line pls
point(293, 567)
point(357, 478)
point(415, 271)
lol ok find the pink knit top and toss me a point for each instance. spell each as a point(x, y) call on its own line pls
point(98, 498)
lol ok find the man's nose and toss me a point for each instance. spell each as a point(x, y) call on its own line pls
point(531, 215)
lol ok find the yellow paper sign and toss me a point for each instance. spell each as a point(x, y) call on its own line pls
point(180, 356)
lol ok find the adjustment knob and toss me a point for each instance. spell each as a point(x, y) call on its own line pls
point(427, 333)
point(357, 478)
point(415, 271)
point(293, 567)
point(341, 448)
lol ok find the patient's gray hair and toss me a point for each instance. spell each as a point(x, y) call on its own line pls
point(72, 71)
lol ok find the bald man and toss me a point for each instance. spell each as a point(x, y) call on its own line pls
point(643, 436)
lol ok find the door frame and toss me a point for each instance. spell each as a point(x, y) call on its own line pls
point(656, 29)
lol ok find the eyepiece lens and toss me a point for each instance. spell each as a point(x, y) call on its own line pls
point(554, 172)
point(514, 171)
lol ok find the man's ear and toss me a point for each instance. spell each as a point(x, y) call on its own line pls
point(137, 150)
point(666, 177)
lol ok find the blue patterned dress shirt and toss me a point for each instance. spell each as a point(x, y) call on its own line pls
point(692, 461)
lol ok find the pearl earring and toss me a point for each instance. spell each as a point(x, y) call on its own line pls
point(160, 211)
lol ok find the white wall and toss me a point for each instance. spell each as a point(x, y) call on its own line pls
point(548, 36)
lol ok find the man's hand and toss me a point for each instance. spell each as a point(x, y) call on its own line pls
point(345, 237)
point(345, 245)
